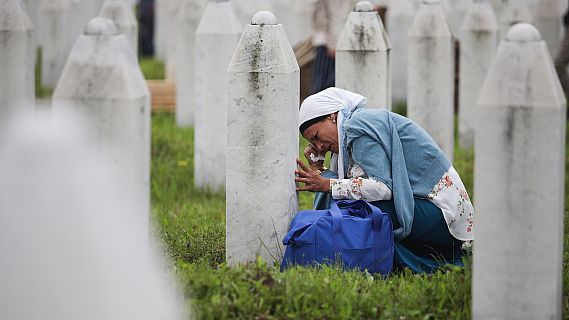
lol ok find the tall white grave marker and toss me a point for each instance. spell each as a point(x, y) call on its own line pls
point(216, 39)
point(172, 12)
point(431, 74)
point(479, 42)
point(120, 11)
point(103, 83)
point(262, 141)
point(398, 21)
point(548, 19)
point(54, 40)
point(16, 60)
point(160, 22)
point(187, 21)
point(459, 8)
point(363, 55)
point(519, 183)
point(513, 11)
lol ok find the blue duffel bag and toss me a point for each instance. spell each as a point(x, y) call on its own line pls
point(353, 233)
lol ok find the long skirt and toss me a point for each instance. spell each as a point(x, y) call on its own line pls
point(428, 247)
point(323, 71)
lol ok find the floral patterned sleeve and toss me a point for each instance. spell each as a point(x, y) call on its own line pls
point(359, 189)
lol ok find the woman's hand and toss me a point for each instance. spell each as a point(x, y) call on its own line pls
point(314, 165)
point(311, 178)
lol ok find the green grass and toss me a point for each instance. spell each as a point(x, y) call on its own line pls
point(152, 69)
point(191, 223)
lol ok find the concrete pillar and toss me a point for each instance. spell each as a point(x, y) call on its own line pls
point(431, 74)
point(262, 141)
point(398, 21)
point(548, 19)
point(519, 183)
point(513, 12)
point(479, 42)
point(102, 83)
point(187, 22)
point(54, 41)
point(216, 39)
point(16, 61)
point(120, 11)
point(363, 55)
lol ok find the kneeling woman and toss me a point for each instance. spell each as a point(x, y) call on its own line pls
point(391, 162)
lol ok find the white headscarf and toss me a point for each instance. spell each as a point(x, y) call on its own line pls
point(327, 102)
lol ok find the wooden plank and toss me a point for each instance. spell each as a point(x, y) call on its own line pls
point(163, 95)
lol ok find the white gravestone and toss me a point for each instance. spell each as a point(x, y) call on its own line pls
point(513, 11)
point(479, 41)
point(187, 22)
point(262, 142)
point(459, 9)
point(548, 19)
point(32, 8)
point(102, 83)
point(519, 183)
point(399, 18)
point(55, 44)
point(171, 35)
point(120, 11)
point(216, 39)
point(430, 100)
point(16, 61)
point(363, 55)
point(160, 22)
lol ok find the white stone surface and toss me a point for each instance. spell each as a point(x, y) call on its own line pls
point(103, 84)
point(54, 40)
point(399, 18)
point(431, 75)
point(247, 8)
point(120, 11)
point(548, 19)
point(16, 61)
point(172, 32)
point(513, 12)
point(363, 57)
point(519, 184)
point(216, 39)
point(160, 22)
point(478, 45)
point(295, 16)
point(262, 144)
point(32, 8)
point(459, 8)
point(187, 22)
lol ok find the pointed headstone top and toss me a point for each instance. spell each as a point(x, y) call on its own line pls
point(262, 18)
point(364, 6)
point(101, 27)
point(523, 32)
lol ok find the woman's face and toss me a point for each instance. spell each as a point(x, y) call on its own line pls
point(323, 135)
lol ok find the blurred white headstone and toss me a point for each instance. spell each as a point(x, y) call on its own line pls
point(262, 141)
point(187, 21)
point(513, 11)
point(71, 245)
point(16, 61)
point(216, 39)
point(102, 82)
point(120, 11)
point(398, 21)
point(363, 53)
point(548, 19)
point(479, 41)
point(519, 183)
point(431, 75)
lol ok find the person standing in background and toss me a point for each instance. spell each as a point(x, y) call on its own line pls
point(562, 58)
point(328, 19)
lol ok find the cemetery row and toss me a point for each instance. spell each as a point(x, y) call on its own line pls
point(247, 85)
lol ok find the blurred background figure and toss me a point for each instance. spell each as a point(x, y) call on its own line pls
point(328, 20)
point(562, 58)
point(146, 27)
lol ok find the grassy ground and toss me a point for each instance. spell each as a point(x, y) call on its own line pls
point(192, 224)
